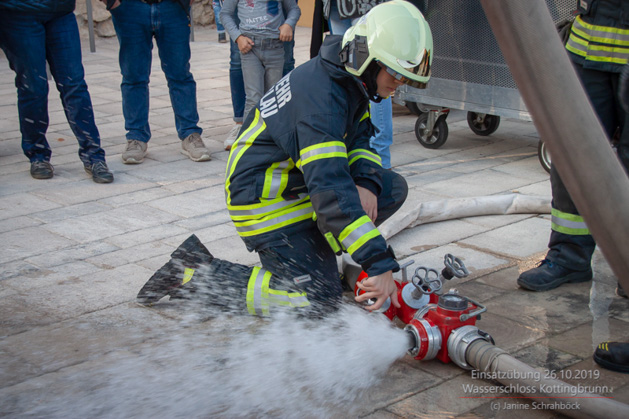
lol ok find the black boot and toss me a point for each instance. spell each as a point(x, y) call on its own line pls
point(548, 275)
point(193, 274)
point(178, 272)
point(613, 356)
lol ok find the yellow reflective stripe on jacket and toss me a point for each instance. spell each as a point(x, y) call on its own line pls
point(275, 221)
point(326, 150)
point(276, 178)
point(334, 244)
point(243, 143)
point(563, 222)
point(361, 153)
point(260, 296)
point(358, 233)
point(366, 115)
point(264, 209)
point(586, 39)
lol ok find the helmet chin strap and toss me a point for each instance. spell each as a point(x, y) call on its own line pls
point(369, 78)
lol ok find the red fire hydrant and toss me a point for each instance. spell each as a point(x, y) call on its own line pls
point(437, 322)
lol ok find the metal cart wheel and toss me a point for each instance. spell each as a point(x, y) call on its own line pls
point(434, 138)
point(483, 123)
point(543, 155)
point(414, 108)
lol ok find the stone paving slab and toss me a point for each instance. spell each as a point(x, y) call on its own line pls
point(73, 342)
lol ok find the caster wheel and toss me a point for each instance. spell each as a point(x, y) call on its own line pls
point(414, 108)
point(543, 155)
point(482, 123)
point(439, 133)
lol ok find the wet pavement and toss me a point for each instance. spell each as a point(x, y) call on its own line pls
point(75, 253)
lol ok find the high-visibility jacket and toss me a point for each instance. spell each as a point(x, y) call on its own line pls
point(300, 154)
point(599, 38)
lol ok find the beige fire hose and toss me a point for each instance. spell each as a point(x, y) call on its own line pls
point(450, 209)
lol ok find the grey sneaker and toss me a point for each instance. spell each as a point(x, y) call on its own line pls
point(135, 152)
point(99, 172)
point(193, 147)
point(232, 136)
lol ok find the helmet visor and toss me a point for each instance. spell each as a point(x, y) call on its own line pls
point(422, 70)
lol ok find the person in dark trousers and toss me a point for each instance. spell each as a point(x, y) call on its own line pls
point(597, 46)
point(614, 356)
point(31, 34)
point(303, 185)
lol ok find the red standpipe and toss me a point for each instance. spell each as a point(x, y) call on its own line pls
point(431, 318)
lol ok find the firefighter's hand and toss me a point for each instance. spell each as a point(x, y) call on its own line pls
point(369, 202)
point(286, 33)
point(378, 287)
point(244, 44)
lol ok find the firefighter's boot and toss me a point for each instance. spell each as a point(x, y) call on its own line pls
point(549, 275)
point(613, 356)
point(171, 278)
point(194, 274)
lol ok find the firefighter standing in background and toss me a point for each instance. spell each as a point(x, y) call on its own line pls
point(302, 184)
point(599, 48)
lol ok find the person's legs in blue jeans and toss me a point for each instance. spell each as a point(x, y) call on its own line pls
point(27, 41)
point(132, 21)
point(24, 43)
point(382, 118)
point(236, 83)
point(64, 56)
point(220, 29)
point(237, 88)
point(173, 42)
point(216, 5)
point(289, 57)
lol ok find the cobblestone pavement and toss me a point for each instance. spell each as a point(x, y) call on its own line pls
point(75, 253)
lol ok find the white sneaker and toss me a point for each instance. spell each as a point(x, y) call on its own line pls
point(232, 136)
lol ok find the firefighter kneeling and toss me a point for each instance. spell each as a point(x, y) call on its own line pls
point(302, 183)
